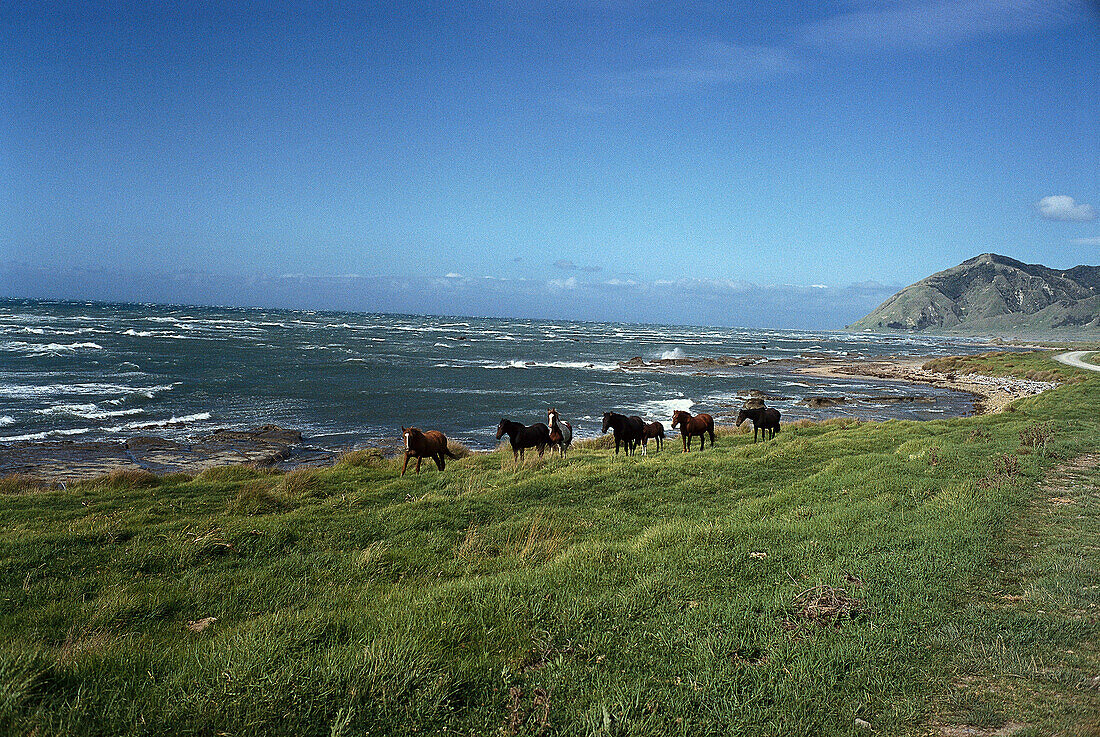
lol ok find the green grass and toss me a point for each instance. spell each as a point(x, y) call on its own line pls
point(599, 595)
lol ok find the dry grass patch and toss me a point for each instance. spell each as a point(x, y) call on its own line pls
point(21, 483)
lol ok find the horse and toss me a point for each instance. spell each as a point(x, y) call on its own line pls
point(419, 445)
point(522, 437)
point(654, 430)
point(700, 424)
point(628, 430)
point(763, 419)
point(561, 433)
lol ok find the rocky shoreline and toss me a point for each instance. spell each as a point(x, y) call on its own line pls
point(267, 446)
point(993, 393)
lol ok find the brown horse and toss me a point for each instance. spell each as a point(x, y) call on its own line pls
point(654, 431)
point(431, 444)
point(700, 424)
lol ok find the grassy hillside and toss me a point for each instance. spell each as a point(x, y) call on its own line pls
point(789, 587)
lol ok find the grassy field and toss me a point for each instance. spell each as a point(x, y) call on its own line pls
point(844, 571)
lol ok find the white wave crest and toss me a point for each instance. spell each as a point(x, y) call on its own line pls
point(46, 434)
point(182, 420)
point(662, 409)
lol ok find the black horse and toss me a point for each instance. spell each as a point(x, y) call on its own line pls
point(523, 437)
point(763, 419)
point(628, 430)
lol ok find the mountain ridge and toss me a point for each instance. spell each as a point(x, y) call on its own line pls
point(995, 295)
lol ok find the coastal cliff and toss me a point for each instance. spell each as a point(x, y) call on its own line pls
point(995, 295)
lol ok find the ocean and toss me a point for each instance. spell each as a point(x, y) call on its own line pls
point(91, 371)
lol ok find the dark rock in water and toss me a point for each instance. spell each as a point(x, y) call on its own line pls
point(459, 337)
point(756, 393)
point(264, 433)
point(900, 400)
point(823, 401)
point(754, 403)
point(636, 361)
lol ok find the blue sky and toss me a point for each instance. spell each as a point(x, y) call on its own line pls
point(598, 152)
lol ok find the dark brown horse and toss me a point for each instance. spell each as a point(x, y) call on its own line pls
point(700, 424)
point(652, 431)
point(561, 432)
point(523, 437)
point(764, 419)
point(627, 430)
point(419, 445)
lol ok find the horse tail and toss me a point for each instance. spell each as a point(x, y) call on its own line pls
point(447, 452)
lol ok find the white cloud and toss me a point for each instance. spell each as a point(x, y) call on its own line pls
point(452, 275)
point(1062, 207)
point(937, 22)
point(1094, 241)
point(570, 283)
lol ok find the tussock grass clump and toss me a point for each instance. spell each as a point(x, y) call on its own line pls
point(257, 497)
point(21, 483)
point(300, 482)
point(363, 458)
point(132, 478)
point(459, 449)
point(600, 442)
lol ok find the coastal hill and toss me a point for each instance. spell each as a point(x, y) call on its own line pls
point(995, 295)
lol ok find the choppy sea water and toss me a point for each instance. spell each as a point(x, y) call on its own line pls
point(89, 371)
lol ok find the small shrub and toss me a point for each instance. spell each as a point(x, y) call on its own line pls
point(978, 435)
point(258, 498)
point(1006, 468)
point(1037, 435)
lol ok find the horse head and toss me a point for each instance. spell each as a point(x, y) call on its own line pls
point(741, 417)
point(679, 417)
point(606, 421)
point(500, 428)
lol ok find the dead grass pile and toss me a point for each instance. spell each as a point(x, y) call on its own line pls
point(827, 606)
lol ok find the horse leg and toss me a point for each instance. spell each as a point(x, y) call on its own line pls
point(440, 462)
point(418, 459)
point(406, 464)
